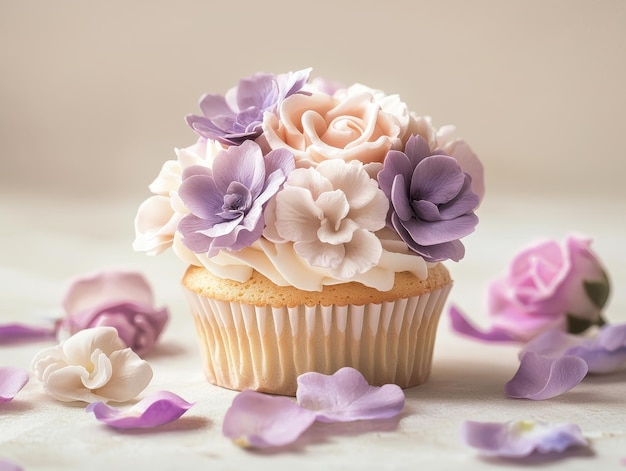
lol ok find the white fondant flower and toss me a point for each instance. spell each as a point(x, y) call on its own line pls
point(330, 213)
point(158, 216)
point(92, 365)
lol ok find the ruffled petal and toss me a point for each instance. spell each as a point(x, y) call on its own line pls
point(12, 380)
point(518, 439)
point(346, 396)
point(541, 378)
point(260, 421)
point(130, 375)
point(157, 409)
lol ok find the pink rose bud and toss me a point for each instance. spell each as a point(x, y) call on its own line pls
point(549, 285)
point(123, 300)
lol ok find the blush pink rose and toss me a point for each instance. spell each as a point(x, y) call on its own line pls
point(550, 285)
point(119, 299)
point(319, 127)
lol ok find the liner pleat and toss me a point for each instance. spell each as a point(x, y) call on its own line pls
point(266, 348)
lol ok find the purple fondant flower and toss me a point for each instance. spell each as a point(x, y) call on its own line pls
point(261, 421)
point(157, 409)
point(226, 202)
point(518, 439)
point(431, 200)
point(346, 396)
point(548, 285)
point(119, 299)
point(12, 380)
point(237, 116)
point(16, 332)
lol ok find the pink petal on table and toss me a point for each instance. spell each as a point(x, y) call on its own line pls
point(17, 332)
point(346, 396)
point(462, 326)
point(261, 421)
point(12, 380)
point(157, 409)
point(540, 377)
point(6, 465)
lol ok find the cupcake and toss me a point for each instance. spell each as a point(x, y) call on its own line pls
point(313, 220)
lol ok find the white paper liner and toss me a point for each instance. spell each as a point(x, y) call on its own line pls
point(265, 348)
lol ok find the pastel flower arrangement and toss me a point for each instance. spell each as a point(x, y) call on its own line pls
point(335, 177)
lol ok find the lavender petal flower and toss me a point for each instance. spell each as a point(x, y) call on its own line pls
point(346, 396)
point(540, 377)
point(12, 380)
point(518, 439)
point(16, 332)
point(260, 421)
point(237, 116)
point(226, 203)
point(431, 200)
point(157, 409)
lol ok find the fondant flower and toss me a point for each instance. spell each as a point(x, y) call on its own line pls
point(119, 299)
point(12, 380)
point(259, 420)
point(226, 202)
point(319, 127)
point(549, 285)
point(237, 116)
point(330, 213)
point(158, 216)
point(157, 409)
point(431, 201)
point(92, 365)
point(518, 439)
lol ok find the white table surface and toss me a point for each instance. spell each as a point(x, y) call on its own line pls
point(46, 240)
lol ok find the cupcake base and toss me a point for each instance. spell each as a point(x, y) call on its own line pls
point(265, 348)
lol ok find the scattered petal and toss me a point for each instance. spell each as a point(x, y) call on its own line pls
point(157, 409)
point(540, 377)
point(518, 439)
point(462, 326)
point(12, 380)
point(16, 332)
point(6, 465)
point(258, 420)
point(346, 396)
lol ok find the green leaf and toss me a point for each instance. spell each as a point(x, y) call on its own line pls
point(598, 291)
point(577, 325)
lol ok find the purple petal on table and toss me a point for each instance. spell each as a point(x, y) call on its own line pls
point(157, 409)
point(606, 352)
point(18, 332)
point(261, 421)
point(462, 326)
point(6, 465)
point(12, 380)
point(518, 439)
point(346, 396)
point(540, 377)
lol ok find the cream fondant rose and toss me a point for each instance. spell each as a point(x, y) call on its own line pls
point(321, 127)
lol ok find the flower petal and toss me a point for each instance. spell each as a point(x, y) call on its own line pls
point(518, 439)
point(346, 396)
point(261, 421)
point(462, 326)
point(129, 376)
point(539, 377)
point(16, 332)
point(6, 465)
point(157, 409)
point(12, 380)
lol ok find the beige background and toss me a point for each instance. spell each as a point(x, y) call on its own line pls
point(93, 94)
